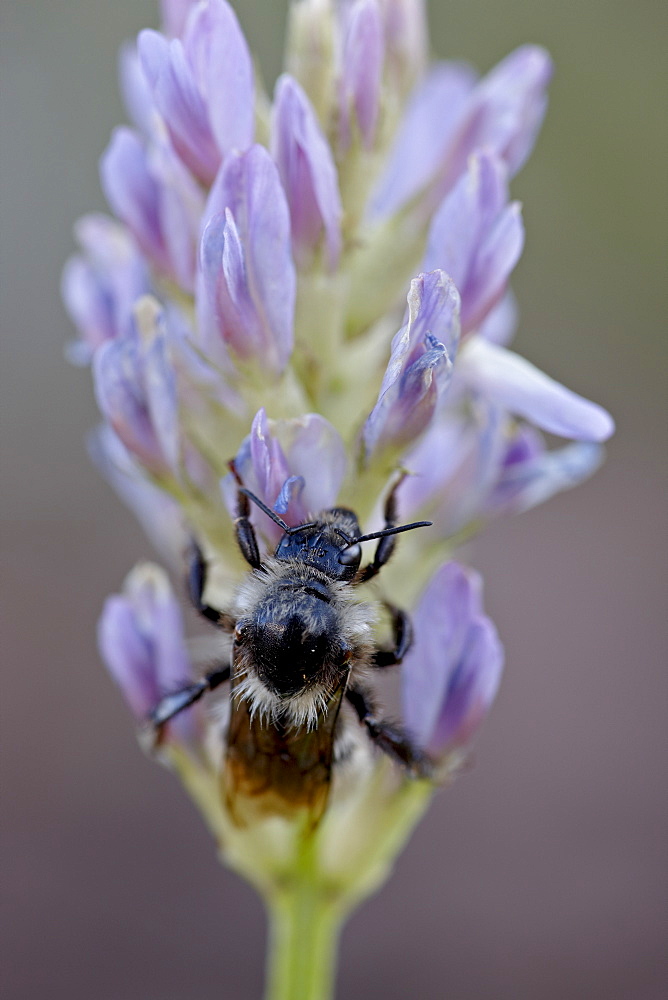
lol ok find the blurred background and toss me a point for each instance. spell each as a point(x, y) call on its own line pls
point(542, 874)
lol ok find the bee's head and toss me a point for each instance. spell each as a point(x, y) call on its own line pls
point(331, 543)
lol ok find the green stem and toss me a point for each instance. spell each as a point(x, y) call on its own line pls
point(304, 931)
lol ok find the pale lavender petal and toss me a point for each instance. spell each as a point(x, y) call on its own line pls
point(101, 288)
point(420, 364)
point(315, 453)
point(472, 687)
point(423, 138)
point(433, 307)
point(89, 305)
point(432, 463)
point(504, 114)
point(514, 383)
point(407, 406)
point(477, 238)
point(531, 474)
point(362, 59)
point(141, 639)
point(135, 90)
point(306, 166)
point(160, 389)
point(200, 379)
point(295, 466)
point(452, 671)
point(460, 501)
point(179, 101)
point(440, 622)
point(175, 14)
point(269, 463)
point(222, 64)
point(128, 656)
point(406, 40)
point(223, 268)
point(159, 515)
point(251, 260)
point(500, 324)
point(121, 396)
point(494, 263)
point(133, 193)
point(181, 204)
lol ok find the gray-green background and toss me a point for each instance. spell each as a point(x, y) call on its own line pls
point(542, 874)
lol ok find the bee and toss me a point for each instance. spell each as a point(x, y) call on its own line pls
point(302, 650)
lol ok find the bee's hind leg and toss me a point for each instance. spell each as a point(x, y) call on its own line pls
point(389, 737)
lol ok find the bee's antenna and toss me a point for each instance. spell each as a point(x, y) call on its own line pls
point(389, 531)
point(267, 510)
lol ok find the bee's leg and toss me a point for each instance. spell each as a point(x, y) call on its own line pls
point(197, 573)
point(386, 545)
point(388, 737)
point(177, 701)
point(403, 639)
point(243, 529)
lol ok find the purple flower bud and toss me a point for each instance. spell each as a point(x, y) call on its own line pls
point(158, 201)
point(420, 364)
point(431, 118)
point(502, 114)
point(202, 86)
point(223, 67)
point(180, 103)
point(477, 238)
point(133, 192)
point(515, 384)
point(135, 389)
point(308, 173)
point(100, 288)
point(452, 672)
point(294, 466)
point(361, 74)
point(141, 640)
point(248, 275)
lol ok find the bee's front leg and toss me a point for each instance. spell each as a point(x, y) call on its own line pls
point(197, 574)
point(389, 737)
point(386, 545)
point(402, 630)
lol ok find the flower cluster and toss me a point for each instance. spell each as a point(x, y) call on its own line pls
point(315, 284)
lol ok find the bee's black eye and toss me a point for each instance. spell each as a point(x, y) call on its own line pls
point(350, 555)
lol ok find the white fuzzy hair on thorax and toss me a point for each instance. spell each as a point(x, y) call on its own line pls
point(355, 624)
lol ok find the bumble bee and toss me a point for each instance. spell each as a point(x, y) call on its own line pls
point(302, 646)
